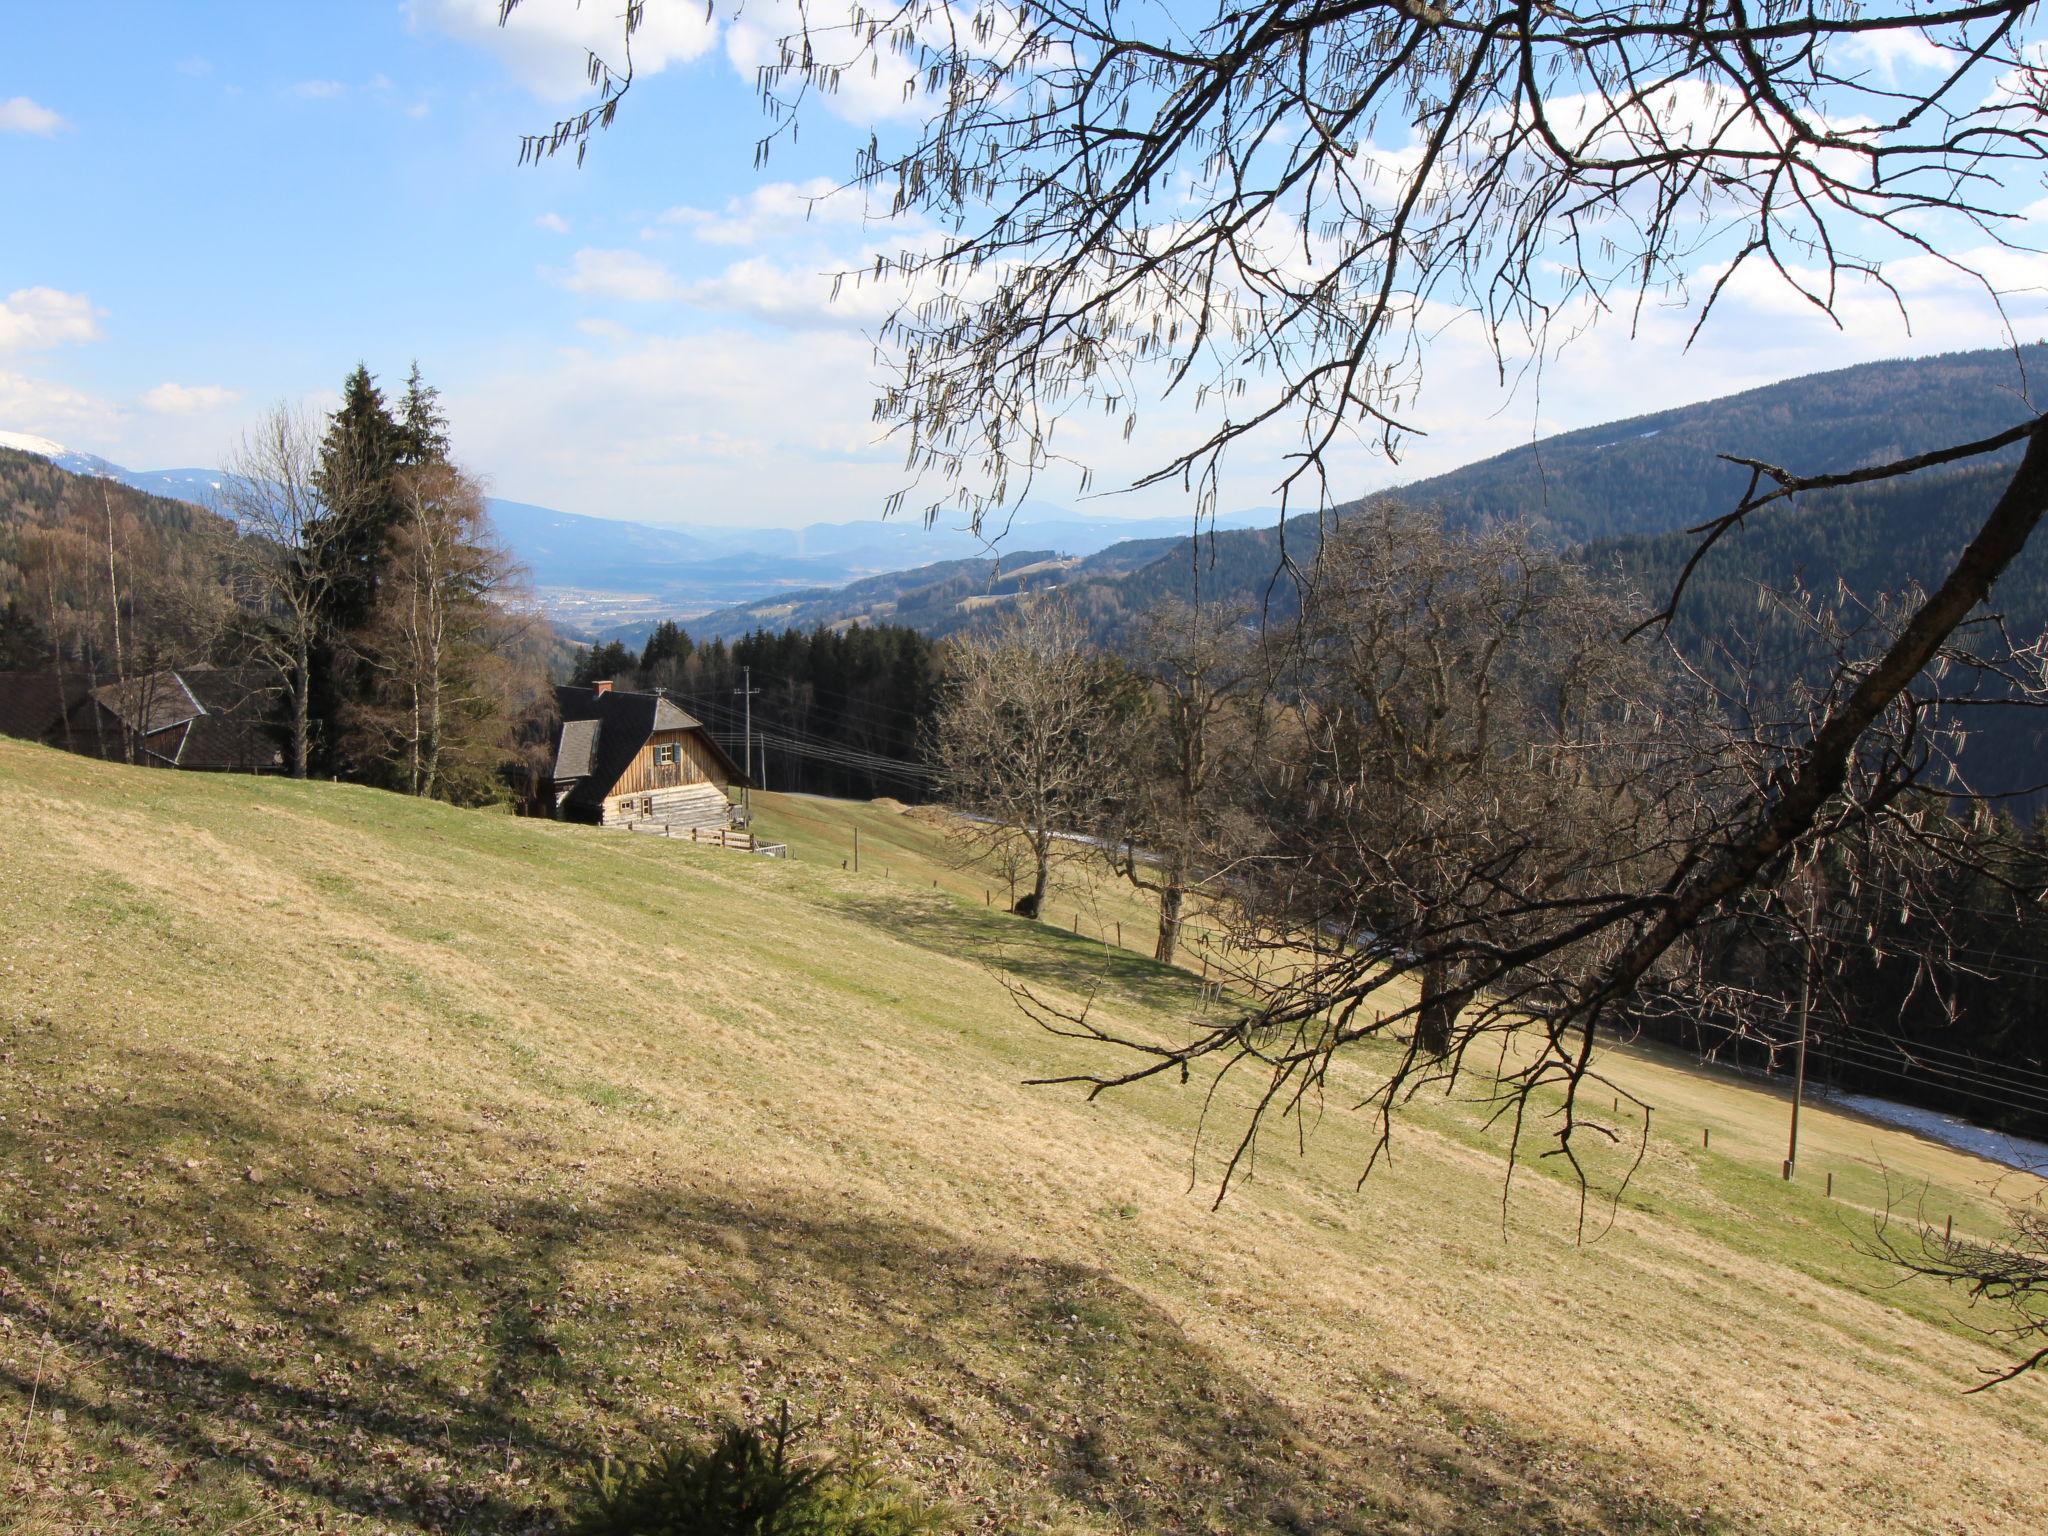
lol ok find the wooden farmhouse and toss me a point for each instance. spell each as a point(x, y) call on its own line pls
point(635, 758)
point(212, 719)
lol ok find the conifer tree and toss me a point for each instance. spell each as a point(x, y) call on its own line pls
point(357, 457)
point(422, 428)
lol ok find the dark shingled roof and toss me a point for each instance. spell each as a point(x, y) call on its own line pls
point(617, 725)
point(148, 704)
point(222, 710)
point(576, 748)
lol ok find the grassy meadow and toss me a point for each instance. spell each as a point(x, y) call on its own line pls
point(369, 1165)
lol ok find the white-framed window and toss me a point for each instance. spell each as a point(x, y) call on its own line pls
point(665, 754)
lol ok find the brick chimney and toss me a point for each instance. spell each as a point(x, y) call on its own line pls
point(602, 685)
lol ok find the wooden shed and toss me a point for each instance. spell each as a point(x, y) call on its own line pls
point(637, 757)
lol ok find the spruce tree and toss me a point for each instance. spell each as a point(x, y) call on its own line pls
point(422, 428)
point(357, 458)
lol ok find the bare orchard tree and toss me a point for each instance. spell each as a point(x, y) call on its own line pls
point(270, 491)
point(1020, 739)
point(1178, 819)
point(1469, 762)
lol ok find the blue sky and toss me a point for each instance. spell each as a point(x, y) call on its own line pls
point(212, 207)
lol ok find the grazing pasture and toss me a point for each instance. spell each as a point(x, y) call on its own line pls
point(367, 1164)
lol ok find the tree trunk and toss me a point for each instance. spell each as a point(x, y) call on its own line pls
point(1171, 895)
point(1436, 1016)
point(431, 772)
point(114, 616)
point(302, 686)
point(1041, 849)
point(57, 649)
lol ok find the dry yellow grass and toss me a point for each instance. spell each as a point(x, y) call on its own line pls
point(373, 1164)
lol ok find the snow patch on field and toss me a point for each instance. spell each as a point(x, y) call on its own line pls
point(1993, 1146)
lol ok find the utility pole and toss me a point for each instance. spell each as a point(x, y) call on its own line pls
point(746, 692)
point(1805, 1013)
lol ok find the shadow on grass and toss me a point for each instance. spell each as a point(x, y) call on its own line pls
point(1032, 952)
point(434, 1327)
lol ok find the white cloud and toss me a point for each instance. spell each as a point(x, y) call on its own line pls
point(195, 67)
point(619, 275)
point(46, 317)
point(319, 90)
point(679, 426)
point(49, 409)
point(778, 208)
point(544, 43)
point(553, 223)
point(798, 295)
point(20, 115)
point(189, 399)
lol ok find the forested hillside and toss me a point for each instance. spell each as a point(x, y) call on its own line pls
point(1847, 548)
point(58, 532)
point(1652, 474)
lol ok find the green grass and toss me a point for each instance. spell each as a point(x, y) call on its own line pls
point(376, 1164)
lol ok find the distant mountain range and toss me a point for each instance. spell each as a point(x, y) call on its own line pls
point(1622, 495)
point(599, 575)
point(1619, 492)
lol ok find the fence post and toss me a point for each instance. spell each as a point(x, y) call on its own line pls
point(1706, 1135)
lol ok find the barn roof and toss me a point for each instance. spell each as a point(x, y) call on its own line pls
point(148, 704)
point(226, 709)
point(603, 732)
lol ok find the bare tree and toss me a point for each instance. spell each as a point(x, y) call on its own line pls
point(271, 492)
point(1020, 739)
point(1469, 763)
point(1175, 819)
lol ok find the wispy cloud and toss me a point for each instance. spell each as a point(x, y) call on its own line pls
point(195, 66)
point(319, 90)
point(553, 223)
point(779, 208)
point(189, 399)
point(20, 115)
point(619, 275)
point(46, 317)
point(545, 42)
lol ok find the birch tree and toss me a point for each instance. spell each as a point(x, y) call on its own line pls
point(289, 530)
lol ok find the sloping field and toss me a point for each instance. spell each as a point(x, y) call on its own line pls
point(372, 1165)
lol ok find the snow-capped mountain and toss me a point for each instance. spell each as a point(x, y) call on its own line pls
point(65, 458)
